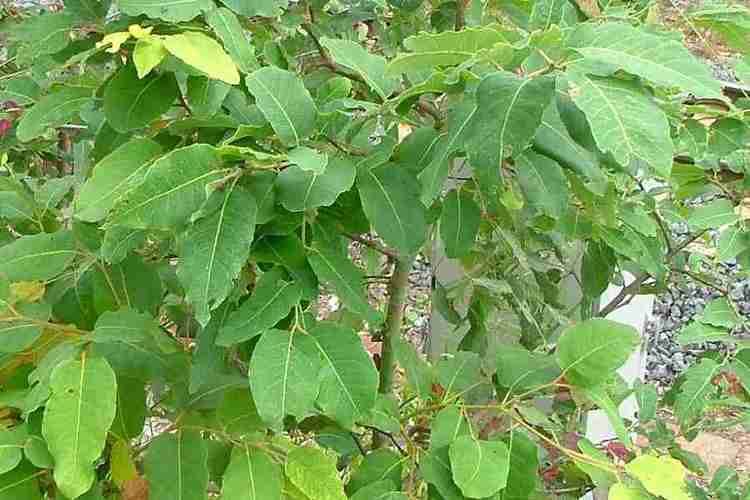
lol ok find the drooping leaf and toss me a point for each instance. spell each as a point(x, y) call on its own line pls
point(388, 195)
point(228, 28)
point(285, 102)
point(601, 398)
point(284, 376)
point(251, 475)
point(174, 189)
point(270, 302)
point(646, 397)
point(122, 465)
point(131, 408)
point(204, 54)
point(300, 190)
point(655, 57)
point(662, 476)
point(480, 468)
point(371, 67)
point(113, 176)
point(176, 466)
point(459, 223)
point(314, 473)
point(77, 416)
point(170, 10)
point(52, 111)
point(695, 391)
point(348, 380)
point(615, 109)
point(591, 351)
point(38, 257)
point(131, 103)
point(215, 249)
point(149, 52)
point(543, 184)
point(509, 111)
point(419, 374)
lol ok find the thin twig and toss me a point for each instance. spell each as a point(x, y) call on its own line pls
point(372, 244)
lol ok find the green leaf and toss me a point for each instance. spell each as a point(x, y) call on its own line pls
point(131, 103)
point(524, 463)
point(284, 376)
point(149, 52)
point(38, 257)
point(21, 483)
point(448, 48)
point(509, 111)
point(251, 475)
point(20, 334)
point(308, 159)
point(176, 466)
point(115, 174)
point(348, 380)
point(169, 10)
point(11, 448)
point(314, 473)
point(599, 396)
point(285, 102)
point(238, 415)
point(620, 491)
point(656, 57)
point(131, 408)
point(252, 8)
point(730, 22)
point(592, 350)
point(347, 280)
point(646, 397)
point(615, 110)
point(459, 223)
point(43, 34)
point(371, 67)
point(204, 54)
point(289, 252)
point(300, 190)
point(459, 372)
point(712, 215)
point(228, 28)
point(381, 490)
point(215, 248)
point(388, 193)
point(77, 416)
point(52, 111)
point(695, 391)
point(732, 242)
point(174, 188)
point(543, 184)
point(378, 465)
point(270, 302)
point(480, 468)
point(520, 370)
point(697, 332)
point(448, 425)
point(436, 469)
point(662, 476)
point(419, 374)
point(720, 312)
point(205, 96)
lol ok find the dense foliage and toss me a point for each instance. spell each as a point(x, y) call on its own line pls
point(181, 181)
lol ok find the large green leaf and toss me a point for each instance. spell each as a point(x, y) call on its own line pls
point(77, 416)
point(509, 111)
point(459, 223)
point(712, 215)
point(284, 376)
point(113, 176)
point(285, 102)
point(131, 102)
point(300, 190)
point(370, 67)
point(435, 467)
point(348, 380)
point(460, 372)
point(520, 370)
point(21, 483)
point(176, 467)
point(695, 391)
point(228, 28)
point(314, 473)
point(448, 48)
point(336, 270)
point(449, 424)
point(251, 475)
point(270, 302)
point(52, 111)
point(169, 10)
point(615, 109)
point(730, 22)
point(174, 189)
point(524, 462)
point(378, 465)
point(591, 351)
point(205, 95)
point(543, 184)
point(389, 195)
point(659, 58)
point(204, 54)
point(37, 257)
point(20, 334)
point(720, 312)
point(215, 249)
point(480, 468)
point(251, 8)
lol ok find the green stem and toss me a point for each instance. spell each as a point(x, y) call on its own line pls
point(397, 290)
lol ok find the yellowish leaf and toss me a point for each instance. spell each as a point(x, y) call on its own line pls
point(115, 40)
point(204, 54)
point(662, 476)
